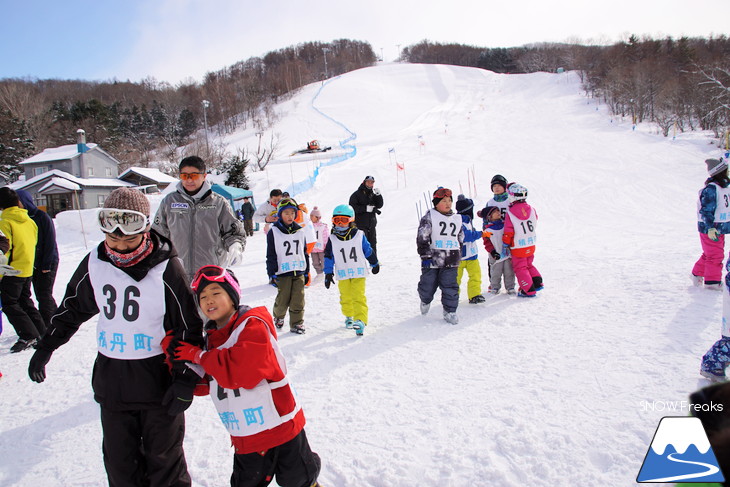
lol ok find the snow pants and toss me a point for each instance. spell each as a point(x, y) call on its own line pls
point(474, 284)
point(443, 278)
point(524, 272)
point(293, 463)
point(353, 301)
point(500, 270)
point(144, 447)
point(718, 356)
point(290, 297)
point(318, 261)
point(709, 265)
point(20, 309)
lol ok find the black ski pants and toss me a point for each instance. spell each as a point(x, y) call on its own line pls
point(293, 463)
point(144, 448)
point(43, 289)
point(19, 308)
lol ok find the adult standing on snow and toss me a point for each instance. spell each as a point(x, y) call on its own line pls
point(367, 202)
point(713, 223)
point(247, 211)
point(200, 223)
point(46, 257)
point(266, 213)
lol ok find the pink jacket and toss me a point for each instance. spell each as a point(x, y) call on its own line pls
point(520, 211)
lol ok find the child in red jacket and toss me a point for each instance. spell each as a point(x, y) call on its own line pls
point(250, 387)
point(520, 224)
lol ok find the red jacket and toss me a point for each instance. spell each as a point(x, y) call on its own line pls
point(249, 361)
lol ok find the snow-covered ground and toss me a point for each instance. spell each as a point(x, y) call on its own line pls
point(557, 390)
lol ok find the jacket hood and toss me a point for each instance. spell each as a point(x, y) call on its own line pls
point(202, 192)
point(16, 214)
point(27, 200)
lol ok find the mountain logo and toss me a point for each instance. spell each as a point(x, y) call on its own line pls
point(680, 451)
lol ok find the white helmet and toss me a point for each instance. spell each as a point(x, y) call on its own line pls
point(516, 192)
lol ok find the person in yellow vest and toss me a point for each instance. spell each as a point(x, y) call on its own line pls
point(22, 235)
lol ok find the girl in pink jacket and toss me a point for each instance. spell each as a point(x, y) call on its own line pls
point(520, 224)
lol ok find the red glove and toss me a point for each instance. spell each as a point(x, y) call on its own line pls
point(189, 353)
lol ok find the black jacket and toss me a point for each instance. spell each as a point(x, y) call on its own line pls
point(272, 262)
point(46, 250)
point(132, 384)
point(360, 200)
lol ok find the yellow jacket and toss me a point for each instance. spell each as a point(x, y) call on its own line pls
point(22, 234)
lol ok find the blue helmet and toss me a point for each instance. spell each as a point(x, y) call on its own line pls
point(287, 203)
point(344, 210)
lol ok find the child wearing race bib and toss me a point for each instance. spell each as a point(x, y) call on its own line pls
point(713, 223)
point(439, 240)
point(344, 257)
point(520, 226)
point(500, 261)
point(322, 235)
point(469, 251)
point(287, 264)
point(246, 378)
point(499, 199)
point(138, 288)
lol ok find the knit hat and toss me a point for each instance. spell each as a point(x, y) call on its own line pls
point(488, 211)
point(315, 212)
point(465, 206)
point(229, 283)
point(369, 178)
point(499, 179)
point(128, 199)
point(716, 166)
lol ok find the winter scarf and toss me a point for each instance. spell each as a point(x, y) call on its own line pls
point(130, 258)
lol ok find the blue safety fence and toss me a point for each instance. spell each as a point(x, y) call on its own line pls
point(307, 184)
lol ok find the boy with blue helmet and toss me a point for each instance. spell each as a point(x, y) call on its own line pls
point(345, 254)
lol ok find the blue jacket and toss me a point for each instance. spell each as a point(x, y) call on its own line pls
point(469, 236)
point(708, 205)
point(367, 250)
point(46, 250)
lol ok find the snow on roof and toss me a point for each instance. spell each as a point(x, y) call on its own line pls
point(81, 182)
point(56, 154)
point(60, 182)
point(150, 173)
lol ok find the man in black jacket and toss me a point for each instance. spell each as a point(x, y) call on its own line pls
point(46, 257)
point(138, 287)
point(367, 202)
point(247, 210)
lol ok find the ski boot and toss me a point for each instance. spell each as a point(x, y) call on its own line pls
point(714, 375)
point(523, 294)
point(359, 327)
point(511, 292)
point(349, 322)
point(713, 285)
point(697, 281)
point(279, 323)
point(451, 317)
point(537, 283)
point(298, 328)
point(424, 308)
point(477, 299)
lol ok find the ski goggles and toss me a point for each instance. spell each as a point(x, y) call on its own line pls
point(442, 193)
point(129, 222)
point(341, 221)
point(191, 176)
point(214, 273)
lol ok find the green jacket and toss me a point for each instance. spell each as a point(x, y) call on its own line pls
point(22, 234)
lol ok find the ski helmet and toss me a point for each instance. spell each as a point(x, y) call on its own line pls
point(498, 179)
point(287, 203)
point(344, 210)
point(516, 192)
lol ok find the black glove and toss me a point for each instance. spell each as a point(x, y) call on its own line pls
point(37, 366)
point(376, 268)
point(376, 211)
point(495, 255)
point(178, 397)
point(306, 278)
point(328, 279)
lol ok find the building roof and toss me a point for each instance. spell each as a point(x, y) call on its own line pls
point(81, 182)
point(57, 154)
point(63, 185)
point(148, 173)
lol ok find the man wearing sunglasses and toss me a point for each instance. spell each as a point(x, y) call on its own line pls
point(200, 223)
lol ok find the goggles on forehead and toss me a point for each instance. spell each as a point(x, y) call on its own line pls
point(341, 221)
point(213, 273)
point(442, 192)
point(129, 222)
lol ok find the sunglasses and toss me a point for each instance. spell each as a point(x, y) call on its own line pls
point(441, 193)
point(213, 273)
point(128, 222)
point(341, 221)
point(191, 176)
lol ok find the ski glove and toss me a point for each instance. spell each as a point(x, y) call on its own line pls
point(37, 366)
point(235, 254)
point(328, 280)
point(272, 281)
point(495, 255)
point(714, 234)
point(178, 398)
point(370, 208)
point(376, 268)
point(189, 353)
point(426, 263)
point(6, 270)
point(376, 191)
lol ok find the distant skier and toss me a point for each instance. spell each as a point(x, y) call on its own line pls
point(439, 240)
point(713, 223)
point(470, 251)
point(520, 228)
point(345, 257)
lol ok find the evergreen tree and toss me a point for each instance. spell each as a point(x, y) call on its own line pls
point(15, 144)
point(236, 169)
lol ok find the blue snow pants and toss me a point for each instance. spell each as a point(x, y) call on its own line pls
point(439, 277)
point(718, 356)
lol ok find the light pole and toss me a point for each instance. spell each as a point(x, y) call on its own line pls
point(382, 59)
point(206, 105)
point(325, 50)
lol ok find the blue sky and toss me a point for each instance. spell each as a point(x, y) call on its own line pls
point(175, 40)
